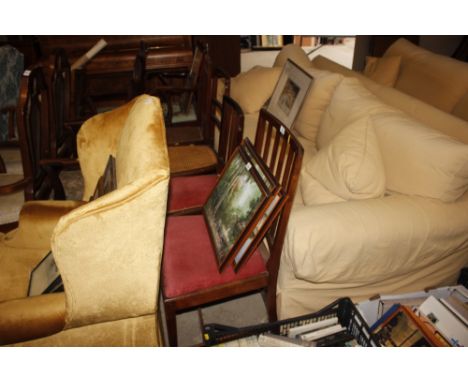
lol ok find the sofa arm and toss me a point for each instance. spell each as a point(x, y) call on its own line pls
point(364, 241)
point(32, 317)
point(37, 221)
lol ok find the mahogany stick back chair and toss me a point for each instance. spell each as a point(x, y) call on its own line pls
point(187, 194)
point(190, 274)
point(201, 158)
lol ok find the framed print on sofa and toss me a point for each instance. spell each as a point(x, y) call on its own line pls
point(289, 94)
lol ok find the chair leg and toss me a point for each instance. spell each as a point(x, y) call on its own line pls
point(171, 323)
point(271, 304)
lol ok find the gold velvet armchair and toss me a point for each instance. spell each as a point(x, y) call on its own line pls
point(108, 251)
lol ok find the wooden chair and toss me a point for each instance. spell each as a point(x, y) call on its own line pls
point(40, 167)
point(190, 273)
point(199, 158)
point(187, 194)
point(178, 99)
point(63, 128)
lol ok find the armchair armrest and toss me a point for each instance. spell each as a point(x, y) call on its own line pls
point(37, 221)
point(32, 317)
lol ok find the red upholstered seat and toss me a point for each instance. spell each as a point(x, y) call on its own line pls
point(186, 192)
point(189, 262)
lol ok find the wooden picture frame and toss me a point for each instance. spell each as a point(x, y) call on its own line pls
point(108, 181)
point(289, 94)
point(234, 206)
point(270, 212)
point(45, 277)
point(401, 327)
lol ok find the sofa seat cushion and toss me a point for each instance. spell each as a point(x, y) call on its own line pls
point(253, 88)
point(350, 166)
point(316, 102)
point(189, 192)
point(189, 262)
point(379, 239)
point(419, 160)
point(383, 70)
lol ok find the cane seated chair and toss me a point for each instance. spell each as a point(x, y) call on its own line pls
point(190, 274)
point(200, 158)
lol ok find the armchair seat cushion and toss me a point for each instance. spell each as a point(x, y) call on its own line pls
point(189, 265)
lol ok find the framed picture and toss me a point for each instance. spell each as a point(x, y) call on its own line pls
point(108, 181)
point(45, 277)
point(234, 206)
point(271, 210)
point(401, 327)
point(289, 94)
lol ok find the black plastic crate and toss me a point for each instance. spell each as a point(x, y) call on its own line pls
point(344, 309)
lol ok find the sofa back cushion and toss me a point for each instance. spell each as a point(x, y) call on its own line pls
point(438, 80)
point(350, 101)
point(316, 102)
point(419, 160)
point(294, 53)
point(253, 88)
point(383, 70)
point(350, 166)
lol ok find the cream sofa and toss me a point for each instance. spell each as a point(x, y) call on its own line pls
point(382, 201)
point(108, 251)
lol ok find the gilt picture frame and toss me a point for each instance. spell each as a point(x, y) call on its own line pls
point(289, 93)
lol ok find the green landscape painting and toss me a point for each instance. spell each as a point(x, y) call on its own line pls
point(231, 206)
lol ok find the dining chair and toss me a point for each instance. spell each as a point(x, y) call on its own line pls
point(190, 275)
point(187, 194)
point(200, 157)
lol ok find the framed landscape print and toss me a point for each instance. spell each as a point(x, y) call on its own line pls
point(289, 94)
point(272, 207)
point(234, 205)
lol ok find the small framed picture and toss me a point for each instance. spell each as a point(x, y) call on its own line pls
point(289, 94)
point(108, 181)
point(235, 205)
point(401, 327)
point(45, 277)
